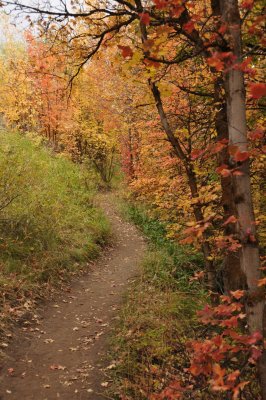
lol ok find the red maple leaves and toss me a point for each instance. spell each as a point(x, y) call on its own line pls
point(126, 51)
point(214, 358)
point(257, 90)
point(145, 18)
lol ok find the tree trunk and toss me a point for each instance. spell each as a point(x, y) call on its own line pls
point(241, 184)
point(131, 169)
point(199, 217)
point(233, 277)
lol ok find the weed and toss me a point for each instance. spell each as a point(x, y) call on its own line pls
point(48, 222)
point(159, 314)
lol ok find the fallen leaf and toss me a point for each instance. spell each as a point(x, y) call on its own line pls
point(111, 366)
point(48, 340)
point(10, 371)
point(57, 367)
point(73, 348)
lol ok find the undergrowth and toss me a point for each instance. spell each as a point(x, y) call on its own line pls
point(159, 314)
point(49, 226)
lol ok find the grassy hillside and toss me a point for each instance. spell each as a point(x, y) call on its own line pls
point(48, 223)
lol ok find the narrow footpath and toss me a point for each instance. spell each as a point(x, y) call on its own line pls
point(64, 355)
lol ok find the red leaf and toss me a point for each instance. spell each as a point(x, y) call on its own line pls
point(225, 173)
point(255, 338)
point(223, 170)
point(189, 27)
point(177, 10)
point(126, 51)
point(222, 29)
point(238, 173)
point(233, 149)
point(230, 220)
point(257, 134)
point(258, 90)
point(216, 62)
point(196, 153)
point(218, 147)
point(160, 4)
point(248, 4)
point(151, 63)
point(241, 156)
point(255, 354)
point(145, 18)
point(230, 322)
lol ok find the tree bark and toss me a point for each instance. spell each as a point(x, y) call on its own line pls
point(241, 185)
point(233, 277)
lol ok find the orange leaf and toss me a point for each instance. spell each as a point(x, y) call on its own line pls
point(187, 240)
point(238, 294)
point(230, 220)
point(215, 62)
point(262, 282)
point(237, 389)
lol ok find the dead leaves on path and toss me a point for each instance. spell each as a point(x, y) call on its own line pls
point(55, 367)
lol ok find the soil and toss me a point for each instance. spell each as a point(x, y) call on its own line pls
point(61, 352)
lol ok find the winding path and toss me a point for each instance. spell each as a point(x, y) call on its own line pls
point(63, 356)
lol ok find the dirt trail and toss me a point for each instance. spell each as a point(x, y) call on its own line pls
point(65, 356)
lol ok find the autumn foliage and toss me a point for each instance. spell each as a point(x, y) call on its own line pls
point(175, 91)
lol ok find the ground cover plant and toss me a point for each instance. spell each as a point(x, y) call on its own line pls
point(161, 350)
point(49, 224)
point(159, 313)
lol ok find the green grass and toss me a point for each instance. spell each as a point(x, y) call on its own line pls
point(159, 314)
point(49, 225)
